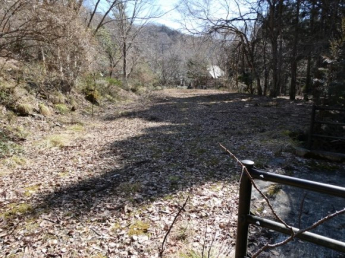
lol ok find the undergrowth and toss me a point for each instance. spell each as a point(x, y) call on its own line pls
point(7, 146)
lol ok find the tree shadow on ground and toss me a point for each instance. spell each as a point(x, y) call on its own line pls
point(179, 149)
point(175, 152)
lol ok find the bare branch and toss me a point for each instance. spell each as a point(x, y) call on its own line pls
point(293, 234)
point(101, 22)
point(93, 13)
point(290, 238)
point(171, 226)
point(245, 170)
point(301, 210)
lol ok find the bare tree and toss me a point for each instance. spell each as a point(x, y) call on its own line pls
point(274, 27)
point(105, 13)
point(125, 18)
point(108, 48)
point(238, 23)
point(17, 26)
point(48, 32)
point(294, 54)
point(130, 18)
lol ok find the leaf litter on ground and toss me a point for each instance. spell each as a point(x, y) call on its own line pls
point(115, 188)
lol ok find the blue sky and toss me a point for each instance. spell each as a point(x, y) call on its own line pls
point(217, 9)
point(170, 17)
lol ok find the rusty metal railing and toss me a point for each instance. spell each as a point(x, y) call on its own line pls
point(245, 218)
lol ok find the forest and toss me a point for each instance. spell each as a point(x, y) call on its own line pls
point(120, 136)
point(268, 48)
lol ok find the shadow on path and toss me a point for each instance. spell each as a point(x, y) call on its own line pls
point(179, 149)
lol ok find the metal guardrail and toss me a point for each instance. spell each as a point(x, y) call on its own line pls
point(245, 218)
point(313, 122)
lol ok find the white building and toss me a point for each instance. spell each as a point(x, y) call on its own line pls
point(215, 71)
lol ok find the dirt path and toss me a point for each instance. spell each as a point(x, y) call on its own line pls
point(110, 185)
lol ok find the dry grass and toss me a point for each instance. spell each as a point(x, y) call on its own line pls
point(44, 110)
point(56, 140)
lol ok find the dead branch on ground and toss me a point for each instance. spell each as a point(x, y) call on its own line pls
point(171, 226)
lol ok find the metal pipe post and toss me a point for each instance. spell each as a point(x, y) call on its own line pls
point(243, 212)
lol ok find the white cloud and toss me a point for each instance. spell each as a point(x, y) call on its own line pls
point(171, 16)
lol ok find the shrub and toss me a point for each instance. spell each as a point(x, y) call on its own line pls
point(62, 108)
point(57, 98)
point(113, 81)
point(93, 96)
point(8, 148)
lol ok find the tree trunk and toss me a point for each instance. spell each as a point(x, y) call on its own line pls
point(280, 88)
point(308, 79)
point(308, 86)
point(275, 26)
point(274, 44)
point(274, 90)
point(124, 64)
point(266, 72)
point(43, 56)
point(258, 85)
point(294, 56)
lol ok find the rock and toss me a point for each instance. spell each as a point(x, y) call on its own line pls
point(38, 116)
point(301, 151)
point(338, 157)
point(112, 245)
point(74, 105)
